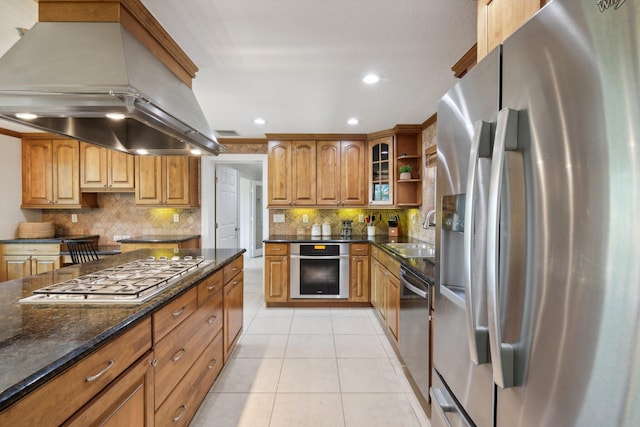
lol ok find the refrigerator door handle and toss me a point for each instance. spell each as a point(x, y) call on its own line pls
point(502, 354)
point(477, 336)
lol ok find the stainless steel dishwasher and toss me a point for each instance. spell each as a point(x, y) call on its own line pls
point(415, 326)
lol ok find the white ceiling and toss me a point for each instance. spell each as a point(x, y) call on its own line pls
point(299, 63)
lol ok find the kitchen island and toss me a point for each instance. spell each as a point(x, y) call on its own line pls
point(41, 343)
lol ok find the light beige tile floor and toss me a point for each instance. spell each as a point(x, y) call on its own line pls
point(309, 367)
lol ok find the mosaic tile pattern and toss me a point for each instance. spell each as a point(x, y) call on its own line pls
point(118, 215)
point(246, 148)
point(428, 191)
point(294, 225)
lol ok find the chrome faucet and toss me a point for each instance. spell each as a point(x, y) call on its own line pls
point(426, 224)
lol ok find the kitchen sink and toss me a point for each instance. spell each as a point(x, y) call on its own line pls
point(413, 250)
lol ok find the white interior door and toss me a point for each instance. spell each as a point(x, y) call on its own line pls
point(226, 207)
point(256, 219)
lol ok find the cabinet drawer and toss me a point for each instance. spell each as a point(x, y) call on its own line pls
point(233, 313)
point(183, 402)
point(31, 249)
point(359, 249)
point(177, 351)
point(174, 313)
point(232, 269)
point(127, 400)
point(209, 286)
point(58, 399)
point(276, 249)
point(375, 251)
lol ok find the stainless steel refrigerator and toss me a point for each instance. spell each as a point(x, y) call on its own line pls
point(537, 310)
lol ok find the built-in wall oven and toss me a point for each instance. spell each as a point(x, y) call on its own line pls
point(319, 270)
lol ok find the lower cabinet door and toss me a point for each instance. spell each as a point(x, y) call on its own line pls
point(233, 302)
point(128, 401)
point(359, 280)
point(16, 266)
point(44, 263)
point(393, 304)
point(276, 278)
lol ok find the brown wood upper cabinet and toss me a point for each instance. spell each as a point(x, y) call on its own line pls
point(292, 173)
point(102, 169)
point(498, 19)
point(327, 173)
point(341, 173)
point(279, 172)
point(167, 181)
point(51, 174)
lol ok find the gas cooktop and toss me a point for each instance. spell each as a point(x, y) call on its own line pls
point(131, 283)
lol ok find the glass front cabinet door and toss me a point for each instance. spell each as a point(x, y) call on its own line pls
point(381, 178)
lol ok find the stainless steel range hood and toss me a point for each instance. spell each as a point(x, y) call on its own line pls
point(71, 75)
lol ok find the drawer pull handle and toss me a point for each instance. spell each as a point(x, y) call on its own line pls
point(178, 355)
point(234, 269)
point(183, 409)
point(179, 312)
point(212, 363)
point(211, 319)
point(212, 287)
point(92, 378)
point(275, 249)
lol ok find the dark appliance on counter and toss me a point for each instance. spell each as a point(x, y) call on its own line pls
point(347, 228)
point(537, 288)
point(319, 270)
point(415, 332)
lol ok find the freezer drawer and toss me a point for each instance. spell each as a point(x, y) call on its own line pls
point(445, 410)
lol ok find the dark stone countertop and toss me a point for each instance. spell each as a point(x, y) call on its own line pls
point(423, 267)
point(160, 238)
point(39, 341)
point(58, 239)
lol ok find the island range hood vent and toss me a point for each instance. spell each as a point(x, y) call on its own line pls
point(72, 74)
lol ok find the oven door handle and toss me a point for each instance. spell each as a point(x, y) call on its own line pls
point(319, 257)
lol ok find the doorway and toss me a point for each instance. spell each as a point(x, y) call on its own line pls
point(250, 210)
point(227, 214)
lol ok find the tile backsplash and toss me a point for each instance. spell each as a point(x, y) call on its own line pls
point(294, 225)
point(117, 215)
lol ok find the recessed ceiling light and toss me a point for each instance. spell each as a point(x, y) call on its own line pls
point(371, 79)
point(26, 116)
point(115, 116)
point(196, 152)
point(260, 121)
point(142, 151)
point(353, 121)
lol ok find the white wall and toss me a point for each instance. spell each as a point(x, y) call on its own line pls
point(11, 189)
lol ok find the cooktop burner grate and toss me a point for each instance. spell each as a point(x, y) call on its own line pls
point(132, 283)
